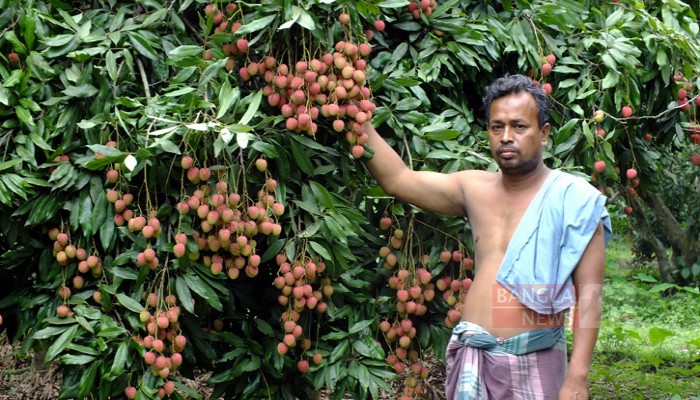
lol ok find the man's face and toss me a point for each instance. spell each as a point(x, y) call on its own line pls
point(514, 134)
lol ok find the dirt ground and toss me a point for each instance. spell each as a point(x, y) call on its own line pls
point(21, 378)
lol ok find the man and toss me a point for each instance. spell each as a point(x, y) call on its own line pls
point(539, 247)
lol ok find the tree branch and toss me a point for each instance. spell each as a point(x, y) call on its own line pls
point(669, 224)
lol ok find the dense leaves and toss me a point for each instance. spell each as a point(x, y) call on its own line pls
point(165, 208)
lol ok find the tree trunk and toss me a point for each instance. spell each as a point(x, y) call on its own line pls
point(666, 266)
point(684, 245)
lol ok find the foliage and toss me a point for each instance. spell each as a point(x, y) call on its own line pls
point(647, 342)
point(153, 137)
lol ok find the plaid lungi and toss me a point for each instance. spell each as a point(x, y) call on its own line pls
point(529, 366)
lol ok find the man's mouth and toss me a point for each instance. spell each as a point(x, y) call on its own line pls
point(507, 152)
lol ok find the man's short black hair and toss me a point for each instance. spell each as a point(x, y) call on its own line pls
point(511, 84)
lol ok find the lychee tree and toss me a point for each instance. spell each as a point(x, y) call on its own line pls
point(183, 187)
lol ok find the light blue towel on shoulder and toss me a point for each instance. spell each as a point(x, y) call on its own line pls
point(550, 240)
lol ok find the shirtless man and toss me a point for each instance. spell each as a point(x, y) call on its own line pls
point(495, 203)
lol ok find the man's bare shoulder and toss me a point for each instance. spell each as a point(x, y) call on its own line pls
point(476, 178)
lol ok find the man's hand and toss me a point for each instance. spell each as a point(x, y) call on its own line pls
point(574, 389)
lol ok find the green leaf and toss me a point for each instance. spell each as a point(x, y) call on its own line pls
point(167, 146)
point(59, 40)
point(321, 250)
point(443, 135)
point(577, 109)
point(301, 158)
point(615, 17)
point(563, 69)
point(227, 95)
point(48, 332)
point(393, 3)
point(14, 79)
point(340, 351)
point(200, 287)
point(125, 273)
point(106, 150)
point(322, 196)
point(408, 104)
point(360, 326)
point(76, 359)
point(142, 45)
point(611, 79)
point(108, 230)
point(40, 67)
point(256, 25)
point(180, 92)
point(264, 327)
point(661, 58)
point(340, 335)
point(120, 359)
point(30, 104)
point(644, 277)
point(154, 18)
point(61, 342)
point(661, 287)
point(296, 13)
point(86, 214)
point(111, 64)
point(306, 20)
point(252, 108)
point(129, 303)
point(183, 293)
point(87, 379)
point(112, 332)
point(24, 115)
point(658, 335)
point(82, 91)
point(4, 96)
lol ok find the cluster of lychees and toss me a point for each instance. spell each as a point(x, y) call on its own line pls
point(426, 7)
point(685, 86)
point(332, 86)
point(414, 287)
point(413, 380)
point(65, 253)
point(149, 226)
point(684, 102)
point(228, 223)
point(414, 290)
point(226, 21)
point(404, 360)
point(222, 18)
point(454, 289)
point(546, 69)
point(163, 343)
point(301, 290)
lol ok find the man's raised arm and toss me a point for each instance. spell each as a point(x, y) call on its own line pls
point(431, 191)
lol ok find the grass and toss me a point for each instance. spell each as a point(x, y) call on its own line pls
point(649, 343)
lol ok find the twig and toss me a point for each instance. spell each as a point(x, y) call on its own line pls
point(193, 30)
point(677, 107)
point(408, 151)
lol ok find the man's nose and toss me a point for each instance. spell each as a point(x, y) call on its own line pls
point(507, 135)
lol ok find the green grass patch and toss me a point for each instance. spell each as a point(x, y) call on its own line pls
point(649, 342)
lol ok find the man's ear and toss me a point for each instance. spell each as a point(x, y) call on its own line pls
point(545, 133)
